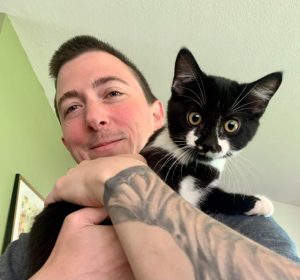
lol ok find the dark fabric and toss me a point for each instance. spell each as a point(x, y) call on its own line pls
point(13, 261)
point(264, 231)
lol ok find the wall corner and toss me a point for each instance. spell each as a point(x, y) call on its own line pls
point(2, 17)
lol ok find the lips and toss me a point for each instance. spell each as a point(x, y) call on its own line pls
point(105, 143)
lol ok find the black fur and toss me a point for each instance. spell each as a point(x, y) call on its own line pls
point(190, 86)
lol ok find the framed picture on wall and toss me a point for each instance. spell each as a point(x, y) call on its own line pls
point(25, 204)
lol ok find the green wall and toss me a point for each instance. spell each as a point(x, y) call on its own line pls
point(29, 132)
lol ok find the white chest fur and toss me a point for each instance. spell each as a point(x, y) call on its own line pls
point(190, 192)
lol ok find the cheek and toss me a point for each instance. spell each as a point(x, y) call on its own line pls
point(136, 121)
point(72, 134)
point(133, 114)
point(125, 112)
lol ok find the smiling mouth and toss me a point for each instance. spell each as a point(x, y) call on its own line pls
point(105, 144)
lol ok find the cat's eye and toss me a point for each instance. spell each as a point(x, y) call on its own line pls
point(194, 118)
point(231, 126)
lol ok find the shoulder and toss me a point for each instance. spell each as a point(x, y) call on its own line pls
point(12, 262)
point(263, 230)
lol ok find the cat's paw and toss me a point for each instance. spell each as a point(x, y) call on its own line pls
point(262, 207)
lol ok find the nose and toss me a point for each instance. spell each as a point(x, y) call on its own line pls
point(96, 115)
point(214, 148)
point(209, 144)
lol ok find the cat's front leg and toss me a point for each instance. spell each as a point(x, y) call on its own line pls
point(219, 201)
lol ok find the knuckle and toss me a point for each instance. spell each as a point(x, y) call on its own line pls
point(73, 219)
point(70, 170)
point(58, 184)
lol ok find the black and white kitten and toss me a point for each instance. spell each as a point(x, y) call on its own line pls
point(209, 119)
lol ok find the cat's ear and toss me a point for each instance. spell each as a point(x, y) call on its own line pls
point(186, 70)
point(261, 91)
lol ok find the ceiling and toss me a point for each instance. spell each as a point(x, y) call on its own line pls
point(241, 40)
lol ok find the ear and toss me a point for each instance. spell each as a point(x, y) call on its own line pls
point(186, 70)
point(158, 114)
point(261, 91)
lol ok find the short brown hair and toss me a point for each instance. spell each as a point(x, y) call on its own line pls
point(84, 43)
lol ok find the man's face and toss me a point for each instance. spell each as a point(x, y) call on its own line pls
point(102, 108)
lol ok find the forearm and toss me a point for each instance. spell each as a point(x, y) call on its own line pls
point(154, 223)
point(153, 253)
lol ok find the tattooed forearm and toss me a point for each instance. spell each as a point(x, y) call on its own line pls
point(215, 251)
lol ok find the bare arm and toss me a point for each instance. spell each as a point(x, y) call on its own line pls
point(143, 208)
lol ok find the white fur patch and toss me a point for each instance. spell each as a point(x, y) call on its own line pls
point(191, 138)
point(164, 142)
point(262, 207)
point(189, 192)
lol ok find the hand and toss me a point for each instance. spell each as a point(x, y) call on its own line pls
point(84, 184)
point(86, 250)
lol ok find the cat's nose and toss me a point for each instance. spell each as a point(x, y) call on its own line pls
point(209, 144)
point(210, 148)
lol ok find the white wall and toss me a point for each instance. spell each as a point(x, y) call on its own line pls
point(288, 216)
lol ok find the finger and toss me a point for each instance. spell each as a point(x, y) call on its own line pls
point(48, 201)
point(51, 199)
point(56, 194)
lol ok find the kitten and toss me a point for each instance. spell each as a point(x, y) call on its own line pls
point(209, 119)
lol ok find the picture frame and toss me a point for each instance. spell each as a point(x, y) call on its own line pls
point(25, 204)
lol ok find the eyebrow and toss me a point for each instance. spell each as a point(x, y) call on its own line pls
point(98, 82)
point(103, 80)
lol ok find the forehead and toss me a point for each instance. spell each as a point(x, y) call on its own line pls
point(82, 71)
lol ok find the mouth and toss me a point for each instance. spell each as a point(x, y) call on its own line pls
point(209, 156)
point(105, 144)
point(107, 147)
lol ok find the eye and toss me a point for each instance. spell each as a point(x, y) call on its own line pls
point(114, 93)
point(231, 126)
point(71, 109)
point(194, 118)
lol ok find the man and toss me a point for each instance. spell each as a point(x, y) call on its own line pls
point(107, 113)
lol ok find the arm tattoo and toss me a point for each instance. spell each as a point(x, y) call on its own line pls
point(215, 251)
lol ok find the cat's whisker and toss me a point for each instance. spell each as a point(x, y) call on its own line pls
point(203, 93)
point(254, 173)
point(201, 104)
point(183, 156)
point(179, 160)
point(243, 107)
point(237, 99)
point(243, 97)
point(246, 171)
point(167, 158)
point(229, 177)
